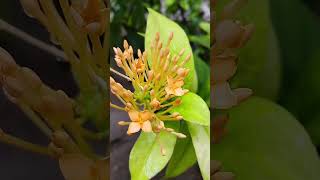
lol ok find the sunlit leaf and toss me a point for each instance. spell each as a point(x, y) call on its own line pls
point(159, 23)
point(183, 156)
point(194, 109)
point(205, 27)
point(147, 158)
point(201, 142)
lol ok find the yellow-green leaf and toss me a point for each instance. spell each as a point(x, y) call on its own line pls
point(159, 23)
point(194, 109)
point(147, 158)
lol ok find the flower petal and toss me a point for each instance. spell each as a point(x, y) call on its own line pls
point(223, 69)
point(179, 83)
point(134, 115)
point(179, 92)
point(146, 115)
point(133, 128)
point(146, 126)
point(223, 97)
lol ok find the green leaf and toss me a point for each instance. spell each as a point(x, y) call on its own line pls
point(141, 34)
point(184, 4)
point(194, 109)
point(159, 23)
point(146, 159)
point(203, 72)
point(205, 27)
point(201, 142)
point(183, 155)
point(203, 40)
point(169, 2)
point(264, 142)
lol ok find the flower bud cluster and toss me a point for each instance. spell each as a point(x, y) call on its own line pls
point(228, 36)
point(51, 110)
point(78, 31)
point(158, 86)
point(22, 85)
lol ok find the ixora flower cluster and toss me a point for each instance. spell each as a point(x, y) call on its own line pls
point(78, 31)
point(157, 84)
point(228, 36)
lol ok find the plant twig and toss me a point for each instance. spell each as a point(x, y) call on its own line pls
point(11, 140)
point(4, 26)
point(119, 74)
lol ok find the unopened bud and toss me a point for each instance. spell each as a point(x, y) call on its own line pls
point(150, 74)
point(31, 78)
point(93, 28)
point(123, 123)
point(169, 129)
point(13, 87)
point(179, 135)
point(182, 52)
point(125, 44)
point(155, 104)
point(32, 9)
point(7, 63)
point(157, 36)
point(175, 114)
point(152, 93)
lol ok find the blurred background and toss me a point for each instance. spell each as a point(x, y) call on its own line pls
point(15, 163)
point(128, 21)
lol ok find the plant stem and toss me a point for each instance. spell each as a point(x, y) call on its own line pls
point(36, 119)
point(11, 140)
point(31, 40)
point(119, 74)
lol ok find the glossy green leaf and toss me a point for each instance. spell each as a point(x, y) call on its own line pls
point(201, 142)
point(159, 23)
point(194, 109)
point(265, 142)
point(183, 155)
point(146, 159)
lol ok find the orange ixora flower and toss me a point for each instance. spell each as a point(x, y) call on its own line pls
point(157, 88)
point(175, 87)
point(89, 15)
point(140, 120)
